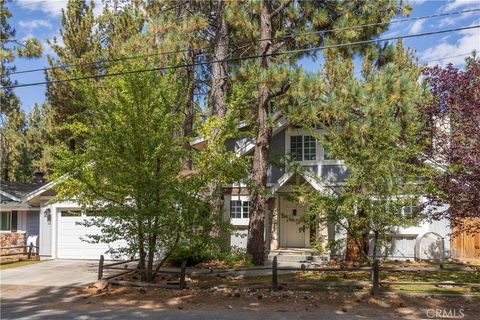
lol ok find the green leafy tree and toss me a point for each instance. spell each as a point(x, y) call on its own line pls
point(131, 170)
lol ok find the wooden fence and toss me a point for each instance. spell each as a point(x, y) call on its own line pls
point(465, 245)
point(28, 250)
point(374, 270)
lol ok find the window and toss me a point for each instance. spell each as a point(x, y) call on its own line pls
point(246, 209)
point(296, 147)
point(309, 148)
point(235, 209)
point(409, 211)
point(71, 213)
point(239, 209)
point(5, 221)
point(303, 148)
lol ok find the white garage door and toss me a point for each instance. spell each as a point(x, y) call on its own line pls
point(70, 234)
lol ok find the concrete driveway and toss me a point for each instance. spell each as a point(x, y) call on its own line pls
point(53, 273)
point(29, 291)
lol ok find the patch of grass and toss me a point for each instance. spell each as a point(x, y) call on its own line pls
point(15, 264)
point(432, 289)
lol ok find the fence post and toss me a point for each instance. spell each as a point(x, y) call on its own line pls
point(100, 267)
point(274, 274)
point(182, 275)
point(375, 278)
point(30, 248)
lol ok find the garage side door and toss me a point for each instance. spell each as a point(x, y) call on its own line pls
point(70, 234)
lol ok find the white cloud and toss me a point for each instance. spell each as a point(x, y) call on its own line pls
point(416, 27)
point(446, 22)
point(27, 36)
point(456, 4)
point(53, 7)
point(417, 2)
point(468, 41)
point(34, 24)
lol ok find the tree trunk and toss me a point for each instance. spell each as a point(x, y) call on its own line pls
point(141, 251)
point(357, 248)
point(256, 227)
point(152, 239)
point(189, 108)
point(219, 91)
point(219, 69)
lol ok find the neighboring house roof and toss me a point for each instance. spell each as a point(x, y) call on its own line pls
point(13, 194)
point(17, 190)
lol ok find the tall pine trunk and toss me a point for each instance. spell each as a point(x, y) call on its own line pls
point(256, 227)
point(189, 110)
point(219, 69)
point(219, 91)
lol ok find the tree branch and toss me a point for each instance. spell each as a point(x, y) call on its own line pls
point(282, 6)
point(283, 89)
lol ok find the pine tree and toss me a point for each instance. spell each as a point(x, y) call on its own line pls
point(79, 46)
point(274, 19)
point(374, 125)
point(14, 158)
point(36, 138)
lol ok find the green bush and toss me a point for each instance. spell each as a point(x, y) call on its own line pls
point(234, 257)
point(194, 255)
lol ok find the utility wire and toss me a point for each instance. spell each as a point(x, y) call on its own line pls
point(244, 42)
point(339, 45)
point(356, 73)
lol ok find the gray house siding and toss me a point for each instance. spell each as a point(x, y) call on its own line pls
point(275, 155)
point(334, 173)
point(32, 223)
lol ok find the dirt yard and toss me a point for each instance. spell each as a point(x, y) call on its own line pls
point(298, 302)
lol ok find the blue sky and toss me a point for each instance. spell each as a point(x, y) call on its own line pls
point(41, 19)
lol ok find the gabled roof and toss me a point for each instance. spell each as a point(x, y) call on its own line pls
point(40, 190)
point(317, 185)
point(15, 191)
point(280, 123)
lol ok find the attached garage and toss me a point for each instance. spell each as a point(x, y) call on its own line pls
point(70, 233)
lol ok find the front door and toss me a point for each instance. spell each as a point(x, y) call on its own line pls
point(291, 235)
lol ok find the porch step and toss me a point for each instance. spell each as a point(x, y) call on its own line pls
point(296, 256)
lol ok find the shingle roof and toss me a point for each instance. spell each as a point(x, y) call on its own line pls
point(19, 189)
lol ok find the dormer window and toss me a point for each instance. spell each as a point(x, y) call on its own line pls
point(303, 148)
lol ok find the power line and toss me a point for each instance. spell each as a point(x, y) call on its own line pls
point(245, 42)
point(457, 56)
point(356, 73)
point(339, 45)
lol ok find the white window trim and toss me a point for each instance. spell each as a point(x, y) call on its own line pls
point(236, 221)
point(59, 211)
point(319, 155)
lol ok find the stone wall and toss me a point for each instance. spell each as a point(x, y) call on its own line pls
point(11, 239)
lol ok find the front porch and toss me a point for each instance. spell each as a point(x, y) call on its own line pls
point(296, 257)
point(287, 233)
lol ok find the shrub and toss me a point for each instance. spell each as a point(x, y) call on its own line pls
point(235, 258)
point(192, 254)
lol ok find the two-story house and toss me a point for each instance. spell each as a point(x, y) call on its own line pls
point(30, 210)
point(283, 231)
